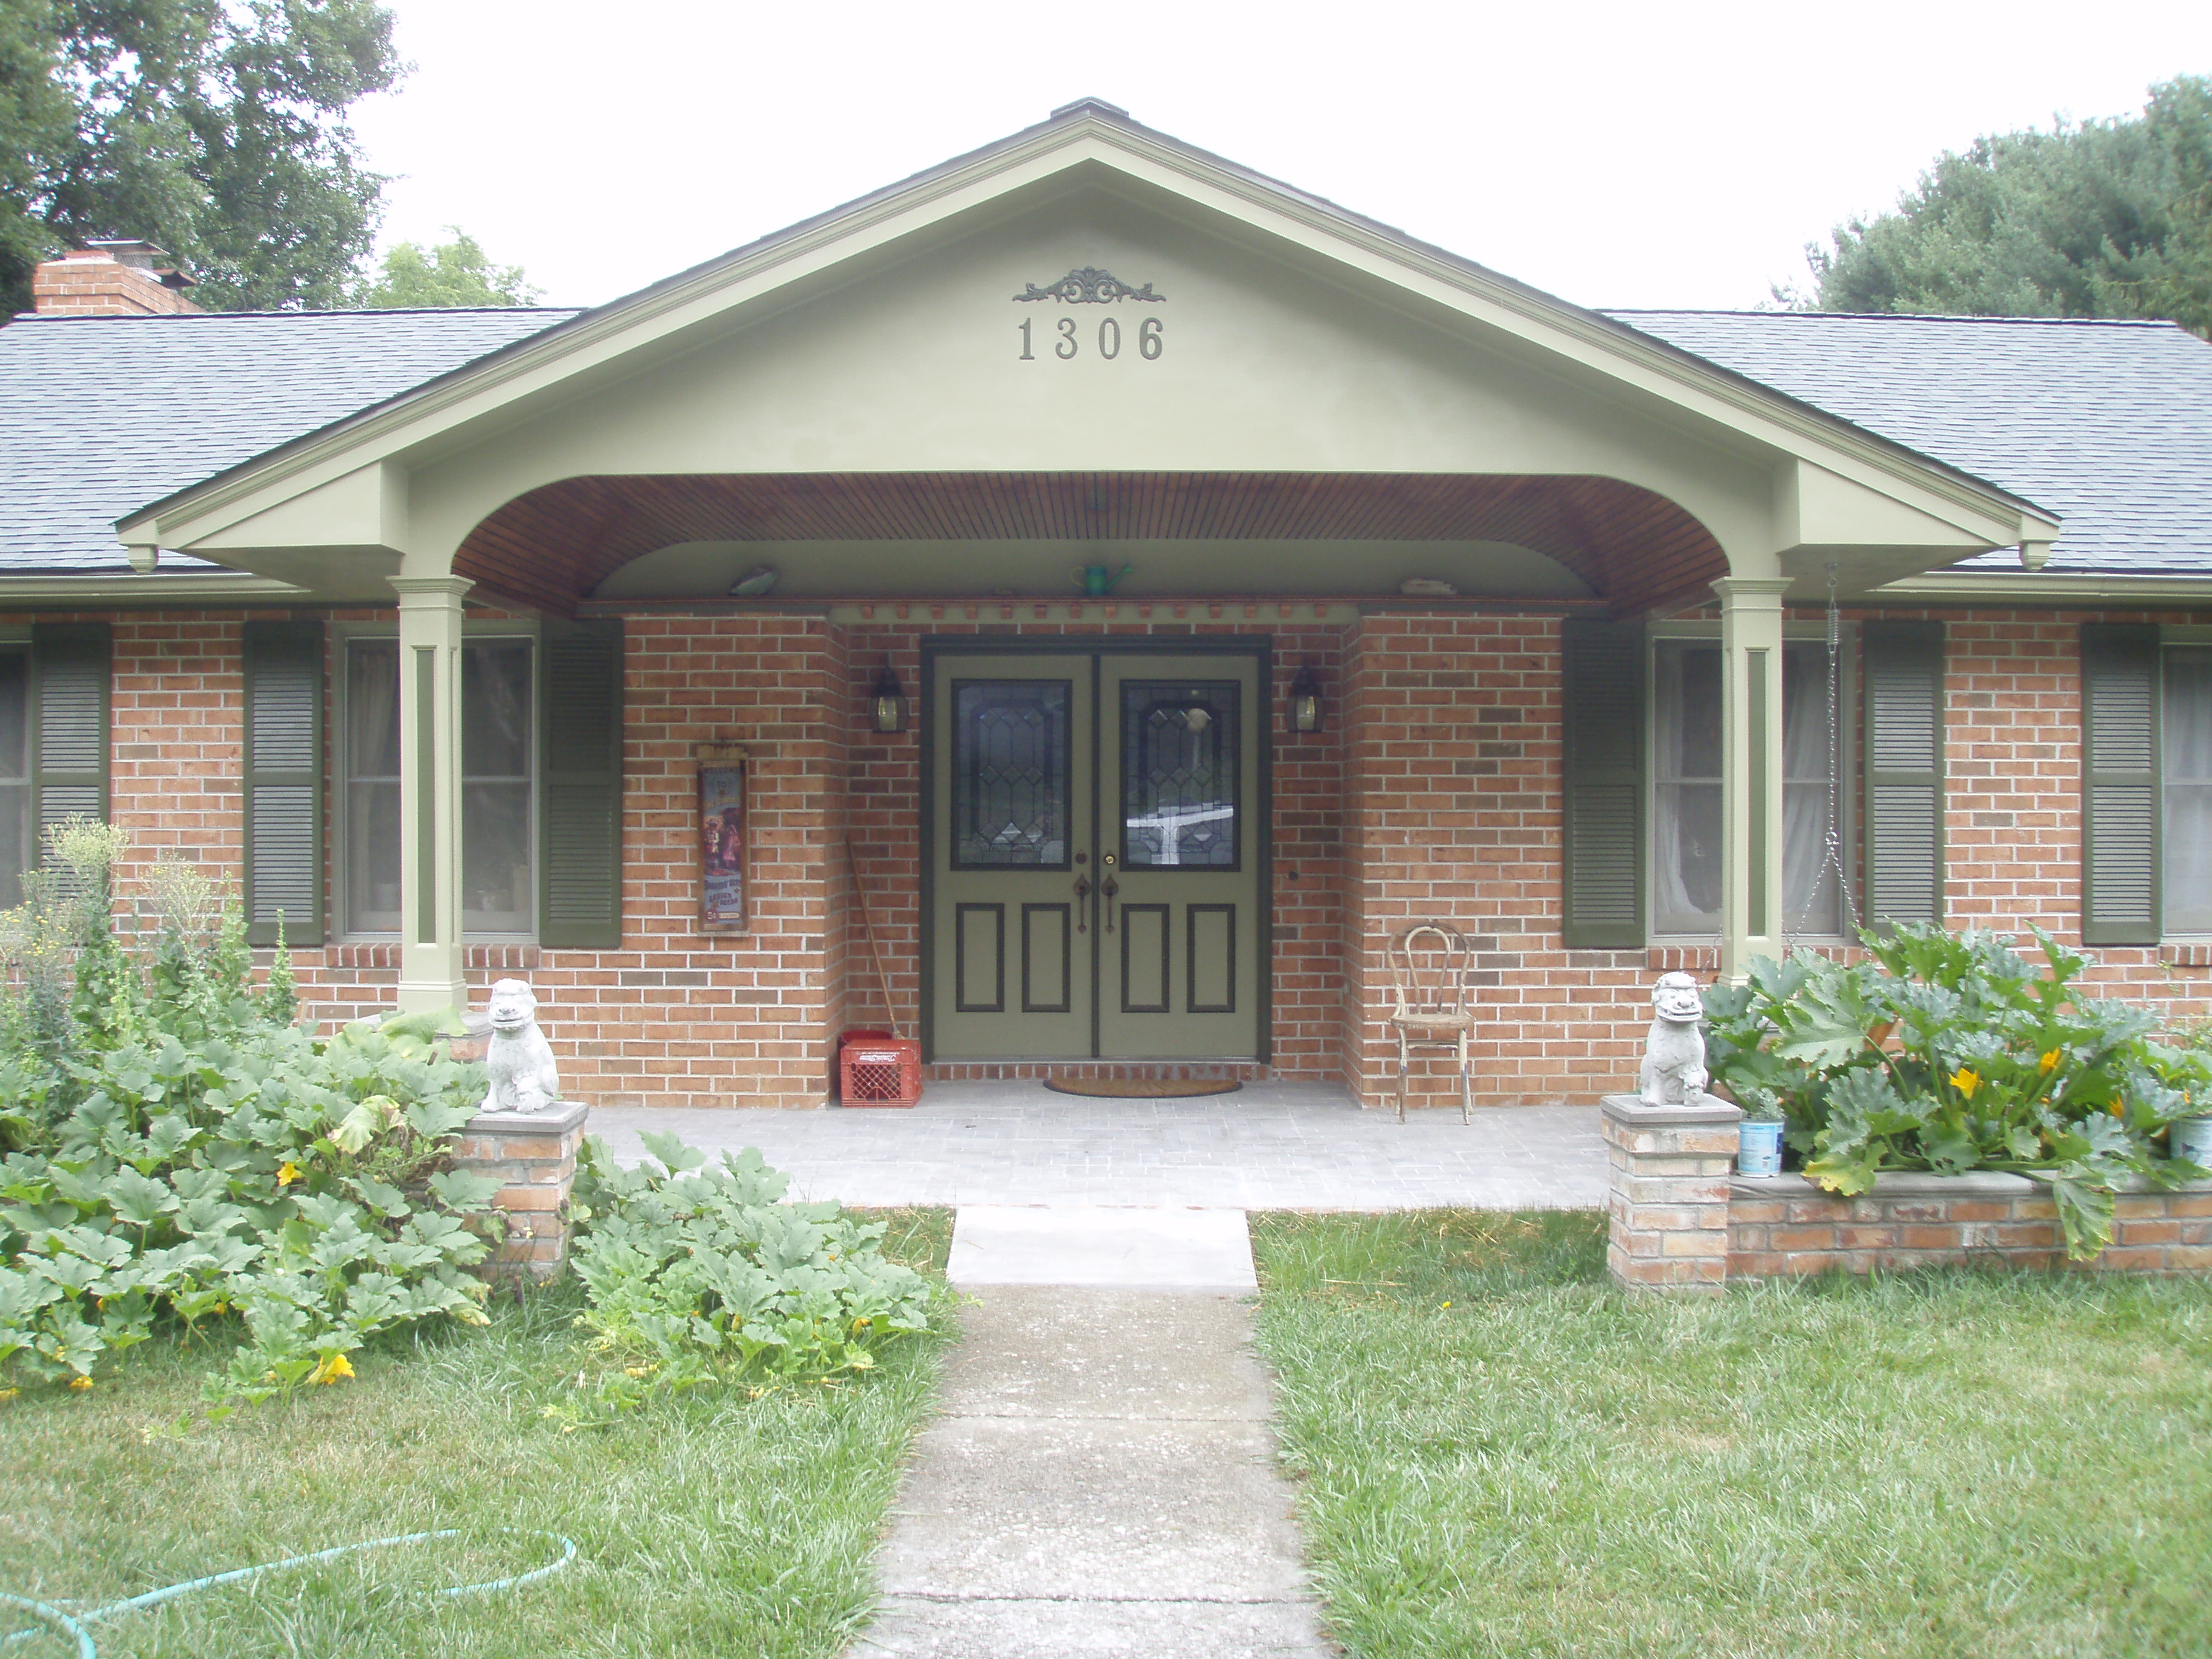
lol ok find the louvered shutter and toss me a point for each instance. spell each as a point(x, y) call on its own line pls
point(284, 782)
point(71, 665)
point(1601, 671)
point(579, 815)
point(1904, 772)
point(2120, 850)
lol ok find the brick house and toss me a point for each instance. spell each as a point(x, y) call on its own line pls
point(1133, 589)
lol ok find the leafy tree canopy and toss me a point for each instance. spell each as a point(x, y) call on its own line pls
point(455, 273)
point(2102, 219)
point(215, 128)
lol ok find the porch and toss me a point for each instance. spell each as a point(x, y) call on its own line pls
point(1271, 1145)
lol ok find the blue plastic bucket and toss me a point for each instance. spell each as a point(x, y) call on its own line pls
point(2191, 1137)
point(1759, 1147)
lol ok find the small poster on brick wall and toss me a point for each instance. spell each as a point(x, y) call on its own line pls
point(722, 837)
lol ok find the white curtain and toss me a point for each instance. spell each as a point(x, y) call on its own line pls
point(1687, 793)
point(372, 786)
point(1686, 790)
point(1807, 762)
point(2187, 719)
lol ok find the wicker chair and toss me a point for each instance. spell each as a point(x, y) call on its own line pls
point(1431, 1010)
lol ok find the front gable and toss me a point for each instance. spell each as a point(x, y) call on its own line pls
point(1254, 332)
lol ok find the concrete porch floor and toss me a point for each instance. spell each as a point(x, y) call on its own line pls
point(1269, 1146)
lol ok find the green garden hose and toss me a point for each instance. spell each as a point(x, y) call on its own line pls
point(73, 1624)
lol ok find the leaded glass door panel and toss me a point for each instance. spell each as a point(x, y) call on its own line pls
point(1013, 792)
point(1179, 945)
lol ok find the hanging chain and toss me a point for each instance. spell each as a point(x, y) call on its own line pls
point(1832, 856)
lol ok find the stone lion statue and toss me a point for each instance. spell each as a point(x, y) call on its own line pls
point(518, 1057)
point(1674, 1072)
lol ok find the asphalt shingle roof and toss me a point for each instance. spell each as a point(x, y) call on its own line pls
point(100, 415)
point(2107, 424)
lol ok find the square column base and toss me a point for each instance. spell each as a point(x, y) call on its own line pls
point(1667, 1201)
point(533, 1156)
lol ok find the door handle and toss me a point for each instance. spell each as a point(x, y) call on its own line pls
point(1107, 889)
point(1082, 892)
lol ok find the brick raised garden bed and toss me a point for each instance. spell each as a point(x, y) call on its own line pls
point(1683, 1220)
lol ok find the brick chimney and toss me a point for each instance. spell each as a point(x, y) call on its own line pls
point(111, 279)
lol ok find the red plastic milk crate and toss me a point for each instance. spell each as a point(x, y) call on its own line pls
point(875, 1068)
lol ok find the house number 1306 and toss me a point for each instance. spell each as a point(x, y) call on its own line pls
point(1110, 338)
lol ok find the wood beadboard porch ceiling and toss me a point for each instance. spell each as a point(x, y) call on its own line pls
point(550, 548)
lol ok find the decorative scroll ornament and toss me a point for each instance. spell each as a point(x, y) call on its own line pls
point(1090, 287)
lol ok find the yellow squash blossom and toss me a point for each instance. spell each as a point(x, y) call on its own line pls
point(337, 1366)
point(289, 1174)
point(1966, 1081)
point(79, 1384)
point(2049, 1063)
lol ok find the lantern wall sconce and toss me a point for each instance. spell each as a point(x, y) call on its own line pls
point(889, 702)
point(1305, 701)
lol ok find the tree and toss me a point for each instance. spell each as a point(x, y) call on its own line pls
point(455, 273)
point(215, 128)
point(2102, 219)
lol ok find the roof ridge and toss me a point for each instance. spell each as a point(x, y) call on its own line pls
point(384, 311)
point(1890, 316)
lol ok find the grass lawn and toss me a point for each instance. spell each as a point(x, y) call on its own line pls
point(1500, 1454)
point(718, 1526)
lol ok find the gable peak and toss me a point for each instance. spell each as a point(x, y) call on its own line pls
point(1089, 106)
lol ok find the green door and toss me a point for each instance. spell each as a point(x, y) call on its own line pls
point(1095, 866)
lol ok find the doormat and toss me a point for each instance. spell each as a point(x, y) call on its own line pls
point(1142, 1088)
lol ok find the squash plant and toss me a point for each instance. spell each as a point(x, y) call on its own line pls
point(1950, 1052)
point(700, 1273)
point(180, 1160)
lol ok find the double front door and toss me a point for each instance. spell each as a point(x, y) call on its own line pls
point(1096, 864)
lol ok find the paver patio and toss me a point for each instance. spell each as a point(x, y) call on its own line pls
point(1271, 1145)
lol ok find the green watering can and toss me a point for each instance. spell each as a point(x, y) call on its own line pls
point(1099, 581)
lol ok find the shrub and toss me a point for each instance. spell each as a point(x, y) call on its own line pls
point(700, 1274)
point(181, 1156)
point(1951, 1052)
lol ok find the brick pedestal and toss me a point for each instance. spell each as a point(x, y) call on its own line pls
point(534, 1156)
point(1668, 1197)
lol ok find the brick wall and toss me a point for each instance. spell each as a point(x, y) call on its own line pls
point(1782, 1226)
point(86, 283)
point(1432, 793)
point(883, 805)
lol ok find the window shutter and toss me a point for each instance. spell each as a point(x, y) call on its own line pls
point(1904, 772)
point(283, 782)
point(580, 813)
point(71, 665)
point(2120, 851)
point(1602, 673)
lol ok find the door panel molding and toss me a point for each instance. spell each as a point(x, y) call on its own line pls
point(1157, 916)
point(1260, 727)
point(963, 961)
point(1063, 967)
point(1223, 916)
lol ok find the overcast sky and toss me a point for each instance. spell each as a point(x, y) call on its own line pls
point(1644, 155)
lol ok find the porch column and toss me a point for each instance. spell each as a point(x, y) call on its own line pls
point(1752, 923)
point(430, 961)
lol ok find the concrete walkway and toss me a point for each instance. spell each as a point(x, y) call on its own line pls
point(1102, 1481)
point(1271, 1145)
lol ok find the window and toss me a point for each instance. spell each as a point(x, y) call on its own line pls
point(1686, 796)
point(498, 787)
point(16, 792)
point(2186, 789)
